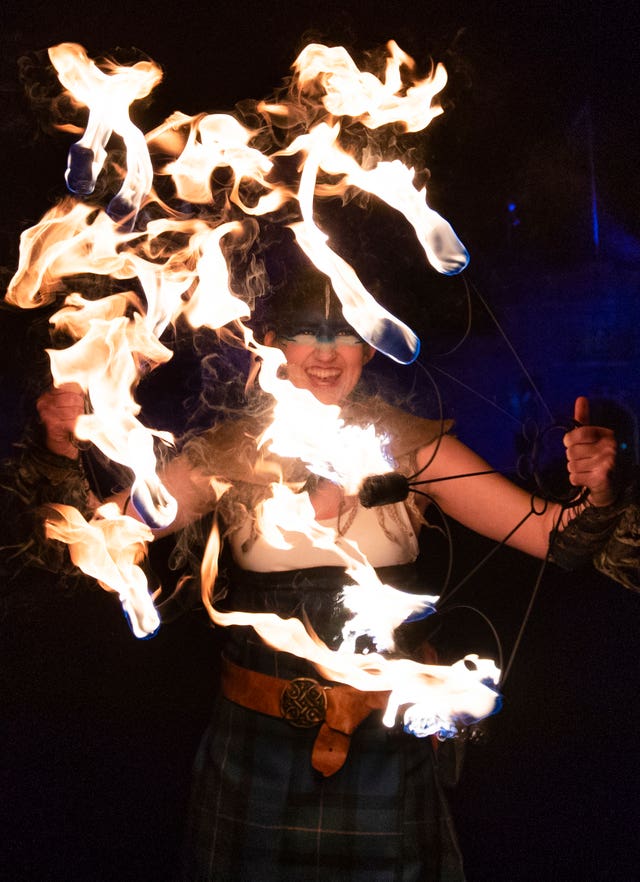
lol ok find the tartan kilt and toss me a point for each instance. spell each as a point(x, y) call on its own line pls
point(259, 811)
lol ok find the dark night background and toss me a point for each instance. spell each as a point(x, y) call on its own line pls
point(535, 163)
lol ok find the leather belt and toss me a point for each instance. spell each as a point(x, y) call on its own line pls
point(304, 702)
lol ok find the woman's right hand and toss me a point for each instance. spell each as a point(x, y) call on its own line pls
point(591, 456)
point(58, 409)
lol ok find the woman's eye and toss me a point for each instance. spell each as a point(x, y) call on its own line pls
point(296, 336)
point(347, 336)
point(308, 335)
point(302, 332)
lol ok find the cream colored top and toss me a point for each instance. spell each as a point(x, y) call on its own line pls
point(383, 534)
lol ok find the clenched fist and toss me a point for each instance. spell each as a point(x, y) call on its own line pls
point(58, 409)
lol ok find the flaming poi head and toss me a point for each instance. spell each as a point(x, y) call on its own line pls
point(194, 196)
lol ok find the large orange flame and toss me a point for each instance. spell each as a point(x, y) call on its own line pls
point(175, 266)
point(108, 94)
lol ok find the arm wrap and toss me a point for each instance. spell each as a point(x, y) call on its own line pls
point(584, 536)
point(620, 558)
point(29, 482)
point(608, 537)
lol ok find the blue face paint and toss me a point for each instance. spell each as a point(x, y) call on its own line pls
point(325, 333)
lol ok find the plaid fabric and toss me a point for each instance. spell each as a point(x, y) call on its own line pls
point(260, 812)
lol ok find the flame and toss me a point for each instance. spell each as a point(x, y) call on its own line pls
point(109, 547)
point(103, 363)
point(108, 95)
point(439, 697)
point(70, 238)
point(361, 95)
point(174, 266)
point(379, 609)
point(219, 141)
point(343, 454)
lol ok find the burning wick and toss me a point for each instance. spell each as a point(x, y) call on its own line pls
point(470, 694)
point(108, 92)
point(80, 175)
point(153, 502)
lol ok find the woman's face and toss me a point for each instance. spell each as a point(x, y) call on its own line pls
point(326, 358)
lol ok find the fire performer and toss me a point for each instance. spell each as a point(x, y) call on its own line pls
point(302, 770)
point(297, 775)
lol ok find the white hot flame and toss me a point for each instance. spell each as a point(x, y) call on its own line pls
point(379, 609)
point(174, 267)
point(342, 453)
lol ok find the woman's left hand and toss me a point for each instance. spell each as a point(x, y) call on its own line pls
point(591, 456)
point(59, 408)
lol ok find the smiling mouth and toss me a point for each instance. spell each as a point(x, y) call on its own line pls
point(323, 375)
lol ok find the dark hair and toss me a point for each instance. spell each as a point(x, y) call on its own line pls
point(306, 291)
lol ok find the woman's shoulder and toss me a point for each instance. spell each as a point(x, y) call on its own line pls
point(230, 446)
point(231, 451)
point(406, 431)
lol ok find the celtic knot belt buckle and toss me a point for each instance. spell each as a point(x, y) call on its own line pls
point(303, 702)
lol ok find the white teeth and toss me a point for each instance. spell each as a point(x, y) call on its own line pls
point(323, 373)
